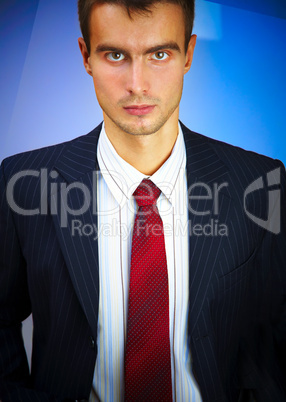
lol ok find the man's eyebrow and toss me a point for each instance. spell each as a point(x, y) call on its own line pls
point(108, 48)
point(164, 46)
point(154, 49)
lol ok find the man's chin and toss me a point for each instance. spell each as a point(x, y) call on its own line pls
point(140, 128)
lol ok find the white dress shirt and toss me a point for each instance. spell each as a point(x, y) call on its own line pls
point(117, 209)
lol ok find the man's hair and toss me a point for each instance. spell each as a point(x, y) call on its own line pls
point(134, 6)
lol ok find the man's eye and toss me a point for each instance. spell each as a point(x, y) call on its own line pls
point(160, 56)
point(115, 56)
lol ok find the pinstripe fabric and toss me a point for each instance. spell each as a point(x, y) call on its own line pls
point(228, 275)
point(237, 283)
point(117, 208)
point(42, 283)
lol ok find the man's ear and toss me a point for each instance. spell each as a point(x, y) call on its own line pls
point(190, 53)
point(85, 55)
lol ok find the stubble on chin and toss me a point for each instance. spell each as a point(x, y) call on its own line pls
point(139, 128)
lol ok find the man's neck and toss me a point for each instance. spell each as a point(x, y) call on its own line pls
point(146, 153)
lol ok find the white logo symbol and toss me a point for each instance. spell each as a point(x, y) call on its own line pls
point(272, 223)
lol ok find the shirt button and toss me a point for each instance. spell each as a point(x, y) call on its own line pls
point(91, 342)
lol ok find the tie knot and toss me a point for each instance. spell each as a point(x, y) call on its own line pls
point(146, 193)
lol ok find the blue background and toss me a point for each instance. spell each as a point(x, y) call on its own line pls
point(234, 92)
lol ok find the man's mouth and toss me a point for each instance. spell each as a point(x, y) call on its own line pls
point(139, 110)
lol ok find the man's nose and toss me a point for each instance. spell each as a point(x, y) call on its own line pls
point(138, 78)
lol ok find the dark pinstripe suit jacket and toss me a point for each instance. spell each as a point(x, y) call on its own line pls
point(237, 282)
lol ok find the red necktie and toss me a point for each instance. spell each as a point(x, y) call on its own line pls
point(148, 358)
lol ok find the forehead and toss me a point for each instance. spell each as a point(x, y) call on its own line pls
point(111, 24)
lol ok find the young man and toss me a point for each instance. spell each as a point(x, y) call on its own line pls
point(123, 310)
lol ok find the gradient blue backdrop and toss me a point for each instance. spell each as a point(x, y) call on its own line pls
point(235, 90)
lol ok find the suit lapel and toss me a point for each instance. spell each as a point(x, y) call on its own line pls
point(76, 220)
point(205, 173)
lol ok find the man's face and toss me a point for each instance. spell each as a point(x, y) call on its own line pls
point(138, 65)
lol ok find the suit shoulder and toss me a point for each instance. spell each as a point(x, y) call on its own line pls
point(248, 163)
point(46, 157)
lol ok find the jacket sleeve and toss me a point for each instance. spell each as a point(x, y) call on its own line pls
point(272, 335)
point(279, 285)
point(15, 306)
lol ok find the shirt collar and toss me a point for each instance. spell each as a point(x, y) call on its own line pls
point(122, 178)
